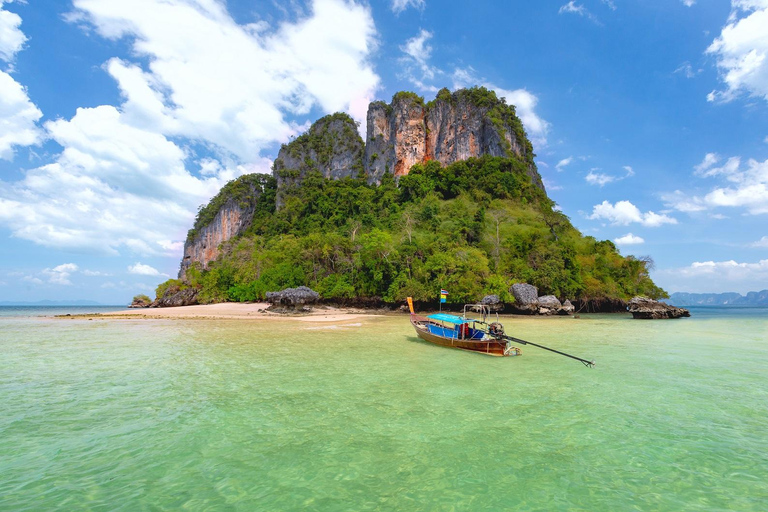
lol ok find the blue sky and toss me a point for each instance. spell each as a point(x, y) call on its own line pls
point(118, 119)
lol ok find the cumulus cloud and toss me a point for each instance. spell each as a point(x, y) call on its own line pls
point(18, 115)
point(624, 213)
point(598, 178)
point(12, 39)
point(211, 79)
point(126, 179)
point(741, 51)
point(629, 239)
point(763, 242)
point(60, 274)
point(746, 187)
point(399, 6)
point(714, 276)
point(144, 270)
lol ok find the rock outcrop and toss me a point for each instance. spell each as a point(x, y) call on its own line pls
point(645, 308)
point(455, 126)
point(292, 298)
point(175, 296)
point(332, 146)
point(526, 298)
point(493, 302)
point(227, 215)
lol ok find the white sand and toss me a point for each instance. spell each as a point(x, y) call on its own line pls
point(236, 310)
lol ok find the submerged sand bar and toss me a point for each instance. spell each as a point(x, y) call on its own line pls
point(234, 310)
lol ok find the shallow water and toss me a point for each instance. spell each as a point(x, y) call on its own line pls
point(361, 415)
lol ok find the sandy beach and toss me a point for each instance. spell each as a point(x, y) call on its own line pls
point(235, 310)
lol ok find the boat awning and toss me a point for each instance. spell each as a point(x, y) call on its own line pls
point(445, 317)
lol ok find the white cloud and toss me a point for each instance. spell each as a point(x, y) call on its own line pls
point(763, 242)
point(399, 6)
point(710, 159)
point(716, 276)
point(748, 187)
point(18, 117)
point(630, 171)
point(525, 105)
point(417, 54)
point(60, 274)
point(11, 37)
point(572, 8)
point(610, 4)
point(629, 239)
point(144, 270)
point(624, 213)
point(562, 164)
point(210, 79)
point(95, 273)
point(688, 3)
point(600, 179)
point(122, 181)
point(741, 51)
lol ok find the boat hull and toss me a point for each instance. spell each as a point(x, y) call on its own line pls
point(488, 346)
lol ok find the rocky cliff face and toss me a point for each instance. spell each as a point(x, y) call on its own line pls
point(332, 146)
point(455, 126)
point(227, 215)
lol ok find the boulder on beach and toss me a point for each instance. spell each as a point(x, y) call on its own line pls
point(526, 298)
point(141, 301)
point(549, 305)
point(293, 297)
point(567, 308)
point(649, 309)
point(493, 302)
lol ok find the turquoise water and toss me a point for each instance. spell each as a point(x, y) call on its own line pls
point(361, 415)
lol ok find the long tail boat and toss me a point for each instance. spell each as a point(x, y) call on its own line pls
point(473, 334)
point(464, 332)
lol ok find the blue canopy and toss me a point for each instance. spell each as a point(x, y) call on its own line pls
point(445, 317)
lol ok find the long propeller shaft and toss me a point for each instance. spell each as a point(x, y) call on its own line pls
point(588, 364)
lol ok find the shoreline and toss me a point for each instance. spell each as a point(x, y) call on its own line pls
point(228, 311)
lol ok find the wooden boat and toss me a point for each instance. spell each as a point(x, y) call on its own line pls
point(464, 332)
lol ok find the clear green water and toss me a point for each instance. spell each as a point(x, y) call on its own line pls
point(234, 415)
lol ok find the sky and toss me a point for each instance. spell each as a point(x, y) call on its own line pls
point(119, 119)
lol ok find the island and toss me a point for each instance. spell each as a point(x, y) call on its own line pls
point(442, 194)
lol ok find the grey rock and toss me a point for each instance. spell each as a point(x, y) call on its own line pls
point(567, 308)
point(174, 297)
point(493, 302)
point(293, 297)
point(645, 308)
point(550, 301)
point(526, 297)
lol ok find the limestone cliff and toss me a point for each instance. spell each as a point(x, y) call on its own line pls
point(226, 216)
point(453, 127)
point(331, 146)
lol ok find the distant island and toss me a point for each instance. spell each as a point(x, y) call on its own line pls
point(443, 194)
point(719, 299)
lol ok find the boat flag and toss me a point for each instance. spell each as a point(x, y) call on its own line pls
point(443, 296)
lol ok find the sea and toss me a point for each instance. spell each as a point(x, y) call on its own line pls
point(135, 415)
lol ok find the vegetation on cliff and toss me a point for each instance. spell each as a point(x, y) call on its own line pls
point(473, 227)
